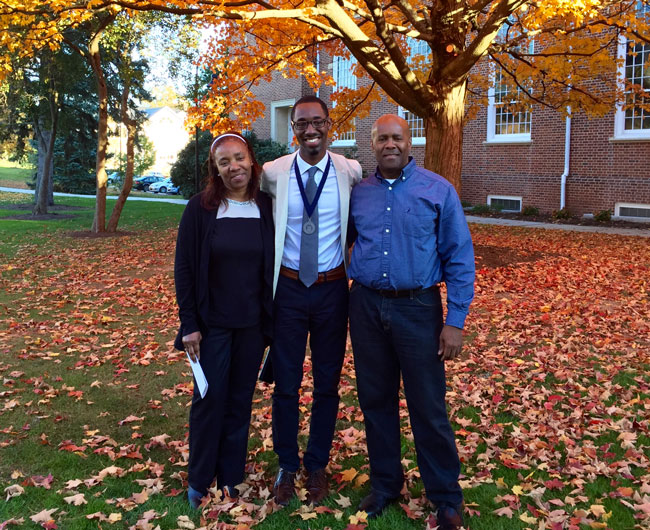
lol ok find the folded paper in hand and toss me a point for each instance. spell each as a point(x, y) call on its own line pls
point(199, 376)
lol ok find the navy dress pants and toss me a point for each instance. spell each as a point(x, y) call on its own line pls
point(389, 336)
point(219, 422)
point(322, 312)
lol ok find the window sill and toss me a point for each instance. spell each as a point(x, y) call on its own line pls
point(629, 139)
point(343, 143)
point(513, 141)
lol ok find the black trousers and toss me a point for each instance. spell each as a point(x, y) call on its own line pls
point(389, 336)
point(322, 312)
point(219, 422)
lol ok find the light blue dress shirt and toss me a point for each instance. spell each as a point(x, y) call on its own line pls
point(412, 234)
point(330, 253)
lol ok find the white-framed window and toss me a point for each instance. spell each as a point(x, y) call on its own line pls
point(506, 121)
point(632, 120)
point(632, 211)
point(506, 203)
point(343, 74)
point(281, 130)
point(417, 49)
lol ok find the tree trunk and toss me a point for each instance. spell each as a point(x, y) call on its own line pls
point(43, 140)
point(131, 127)
point(99, 220)
point(95, 60)
point(443, 153)
point(43, 187)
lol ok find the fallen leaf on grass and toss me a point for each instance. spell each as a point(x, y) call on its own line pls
point(43, 516)
point(12, 522)
point(130, 419)
point(76, 500)
point(359, 517)
point(343, 502)
point(185, 522)
point(504, 511)
point(14, 491)
point(349, 474)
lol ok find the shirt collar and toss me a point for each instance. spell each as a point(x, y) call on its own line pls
point(407, 171)
point(304, 166)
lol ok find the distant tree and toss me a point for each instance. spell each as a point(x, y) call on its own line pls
point(266, 150)
point(183, 170)
point(144, 155)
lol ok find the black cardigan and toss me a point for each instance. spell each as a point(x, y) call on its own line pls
point(192, 261)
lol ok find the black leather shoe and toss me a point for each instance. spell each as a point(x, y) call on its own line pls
point(449, 517)
point(284, 487)
point(375, 503)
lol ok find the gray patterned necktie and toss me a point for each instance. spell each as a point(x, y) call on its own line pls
point(308, 272)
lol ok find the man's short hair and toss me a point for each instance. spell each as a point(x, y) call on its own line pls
point(310, 99)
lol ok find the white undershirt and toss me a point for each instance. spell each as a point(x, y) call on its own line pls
point(247, 210)
point(330, 253)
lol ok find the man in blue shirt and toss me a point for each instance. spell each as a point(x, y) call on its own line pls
point(411, 234)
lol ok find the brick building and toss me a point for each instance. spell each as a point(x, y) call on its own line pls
point(514, 160)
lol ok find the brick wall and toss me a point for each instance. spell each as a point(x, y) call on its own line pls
point(602, 171)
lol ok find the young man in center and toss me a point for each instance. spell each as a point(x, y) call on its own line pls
point(311, 194)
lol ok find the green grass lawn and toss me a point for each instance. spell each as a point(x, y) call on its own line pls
point(550, 401)
point(12, 176)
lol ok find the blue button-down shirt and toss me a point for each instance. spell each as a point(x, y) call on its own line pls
point(413, 234)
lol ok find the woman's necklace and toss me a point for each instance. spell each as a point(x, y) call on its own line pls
point(240, 203)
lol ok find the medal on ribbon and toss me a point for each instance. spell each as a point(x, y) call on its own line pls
point(308, 226)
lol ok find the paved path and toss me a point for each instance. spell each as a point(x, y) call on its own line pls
point(641, 232)
point(161, 198)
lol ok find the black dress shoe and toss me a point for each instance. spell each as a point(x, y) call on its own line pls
point(284, 487)
point(449, 517)
point(375, 503)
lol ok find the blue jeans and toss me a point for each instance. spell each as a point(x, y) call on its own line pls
point(389, 336)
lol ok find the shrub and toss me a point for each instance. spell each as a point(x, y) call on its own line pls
point(603, 216)
point(265, 150)
point(466, 204)
point(561, 214)
point(482, 208)
point(530, 210)
point(183, 170)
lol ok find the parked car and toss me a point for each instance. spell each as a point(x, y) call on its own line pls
point(164, 186)
point(143, 183)
point(114, 179)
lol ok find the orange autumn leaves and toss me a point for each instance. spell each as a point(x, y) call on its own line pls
point(549, 401)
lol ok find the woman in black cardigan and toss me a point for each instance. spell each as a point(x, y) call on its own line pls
point(224, 277)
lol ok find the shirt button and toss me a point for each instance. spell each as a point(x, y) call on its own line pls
point(390, 188)
point(388, 208)
point(385, 253)
point(384, 275)
point(387, 230)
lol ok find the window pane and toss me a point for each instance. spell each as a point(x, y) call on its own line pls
point(637, 71)
point(343, 73)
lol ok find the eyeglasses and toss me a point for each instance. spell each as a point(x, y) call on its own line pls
point(303, 124)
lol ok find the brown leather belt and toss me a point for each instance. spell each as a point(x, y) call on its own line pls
point(328, 276)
